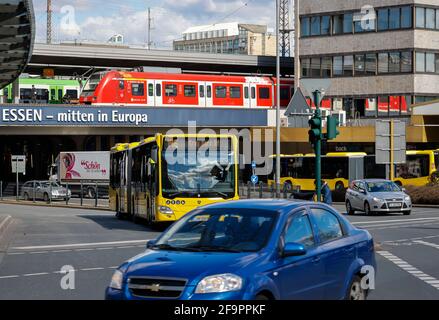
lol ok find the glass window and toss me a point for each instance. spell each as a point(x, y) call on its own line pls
point(246, 92)
point(253, 93)
point(325, 25)
point(220, 92)
point(150, 89)
point(158, 90)
point(420, 17)
point(338, 66)
point(306, 67)
point(406, 17)
point(315, 26)
point(347, 22)
point(359, 64)
point(337, 24)
point(171, 90)
point(383, 62)
point(348, 65)
point(137, 89)
point(264, 93)
point(420, 61)
point(201, 91)
point(371, 64)
point(189, 91)
point(437, 19)
point(394, 18)
point(315, 67)
point(284, 93)
point(429, 62)
point(383, 19)
point(430, 18)
point(406, 61)
point(394, 62)
point(235, 92)
point(328, 226)
point(326, 67)
point(305, 27)
point(436, 59)
point(209, 91)
point(383, 104)
point(300, 231)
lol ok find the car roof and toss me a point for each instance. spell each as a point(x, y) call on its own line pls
point(278, 205)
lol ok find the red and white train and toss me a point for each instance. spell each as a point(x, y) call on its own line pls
point(117, 88)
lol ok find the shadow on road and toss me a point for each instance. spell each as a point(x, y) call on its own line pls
point(112, 223)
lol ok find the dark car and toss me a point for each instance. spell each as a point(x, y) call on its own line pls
point(251, 249)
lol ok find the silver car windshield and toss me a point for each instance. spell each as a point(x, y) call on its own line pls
point(382, 186)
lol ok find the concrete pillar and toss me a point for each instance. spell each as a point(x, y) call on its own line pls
point(15, 92)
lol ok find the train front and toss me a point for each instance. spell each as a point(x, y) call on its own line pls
point(92, 91)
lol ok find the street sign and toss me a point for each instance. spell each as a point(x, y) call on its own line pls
point(253, 164)
point(254, 179)
point(18, 164)
point(298, 104)
point(311, 85)
point(390, 142)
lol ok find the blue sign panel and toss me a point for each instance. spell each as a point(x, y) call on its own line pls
point(96, 116)
point(254, 179)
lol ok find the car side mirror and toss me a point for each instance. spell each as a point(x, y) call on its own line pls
point(293, 249)
point(362, 190)
point(150, 243)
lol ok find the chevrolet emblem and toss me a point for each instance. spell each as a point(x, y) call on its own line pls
point(155, 287)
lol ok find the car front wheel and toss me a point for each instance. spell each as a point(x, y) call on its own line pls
point(367, 209)
point(356, 292)
point(349, 209)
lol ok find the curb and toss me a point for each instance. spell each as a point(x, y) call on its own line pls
point(4, 224)
point(433, 206)
point(32, 204)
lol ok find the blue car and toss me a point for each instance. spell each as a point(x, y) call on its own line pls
point(252, 250)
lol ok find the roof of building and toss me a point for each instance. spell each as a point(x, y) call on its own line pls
point(231, 27)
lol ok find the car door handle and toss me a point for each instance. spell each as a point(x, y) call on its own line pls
point(316, 260)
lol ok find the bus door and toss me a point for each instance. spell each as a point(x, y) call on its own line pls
point(209, 94)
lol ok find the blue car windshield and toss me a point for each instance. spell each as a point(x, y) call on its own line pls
point(385, 186)
point(220, 230)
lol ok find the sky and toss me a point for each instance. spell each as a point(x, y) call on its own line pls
point(98, 20)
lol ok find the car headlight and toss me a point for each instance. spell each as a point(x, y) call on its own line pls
point(219, 283)
point(377, 199)
point(55, 192)
point(116, 280)
point(165, 210)
point(407, 198)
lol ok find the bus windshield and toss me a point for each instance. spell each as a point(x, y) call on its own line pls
point(436, 160)
point(93, 82)
point(195, 171)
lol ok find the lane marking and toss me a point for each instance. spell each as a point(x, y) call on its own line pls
point(56, 272)
point(38, 252)
point(394, 220)
point(72, 245)
point(35, 274)
point(92, 269)
point(428, 279)
point(402, 226)
point(425, 243)
point(9, 277)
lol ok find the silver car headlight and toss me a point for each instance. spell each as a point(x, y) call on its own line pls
point(407, 198)
point(55, 192)
point(378, 199)
point(117, 280)
point(219, 283)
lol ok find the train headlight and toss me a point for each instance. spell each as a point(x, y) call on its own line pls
point(166, 210)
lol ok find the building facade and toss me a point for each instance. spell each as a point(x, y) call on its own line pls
point(233, 38)
point(382, 56)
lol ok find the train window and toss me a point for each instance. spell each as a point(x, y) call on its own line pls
point(253, 93)
point(284, 93)
point(246, 92)
point(220, 92)
point(71, 93)
point(235, 92)
point(60, 94)
point(189, 91)
point(52, 94)
point(201, 91)
point(150, 89)
point(209, 91)
point(138, 89)
point(158, 90)
point(264, 93)
point(121, 85)
point(171, 90)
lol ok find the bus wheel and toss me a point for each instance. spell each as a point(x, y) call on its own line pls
point(339, 187)
point(288, 186)
point(398, 183)
point(434, 179)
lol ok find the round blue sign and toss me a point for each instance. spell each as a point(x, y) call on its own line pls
point(254, 179)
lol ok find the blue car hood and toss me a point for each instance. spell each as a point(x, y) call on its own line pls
point(188, 265)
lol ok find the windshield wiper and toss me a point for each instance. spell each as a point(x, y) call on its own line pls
point(165, 246)
point(180, 193)
point(215, 249)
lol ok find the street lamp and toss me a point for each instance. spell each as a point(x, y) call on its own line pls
point(277, 101)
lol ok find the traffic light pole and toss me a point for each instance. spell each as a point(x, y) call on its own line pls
point(318, 147)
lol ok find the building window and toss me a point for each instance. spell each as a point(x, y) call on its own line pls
point(406, 17)
point(371, 64)
point(420, 17)
point(325, 25)
point(406, 62)
point(235, 92)
point(383, 105)
point(306, 66)
point(383, 63)
point(338, 66)
point(326, 67)
point(359, 64)
point(315, 67)
point(315, 26)
point(220, 92)
point(430, 18)
point(436, 59)
point(337, 24)
point(347, 22)
point(394, 62)
point(171, 90)
point(429, 62)
point(304, 27)
point(383, 19)
point(420, 61)
point(394, 18)
point(348, 65)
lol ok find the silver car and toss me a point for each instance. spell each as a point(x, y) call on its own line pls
point(377, 196)
point(44, 190)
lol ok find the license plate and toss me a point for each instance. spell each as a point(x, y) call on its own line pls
point(395, 205)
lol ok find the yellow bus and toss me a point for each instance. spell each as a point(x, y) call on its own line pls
point(299, 170)
point(421, 168)
point(161, 178)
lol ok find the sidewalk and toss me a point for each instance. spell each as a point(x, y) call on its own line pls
point(90, 204)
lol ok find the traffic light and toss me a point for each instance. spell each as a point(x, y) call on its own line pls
point(332, 124)
point(315, 133)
